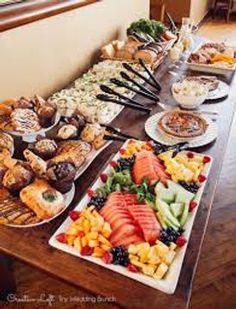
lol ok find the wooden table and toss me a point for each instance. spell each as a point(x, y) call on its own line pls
point(31, 245)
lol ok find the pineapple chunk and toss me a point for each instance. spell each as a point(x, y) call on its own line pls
point(142, 246)
point(148, 270)
point(137, 263)
point(93, 243)
point(106, 230)
point(92, 235)
point(172, 246)
point(133, 257)
point(103, 240)
point(153, 258)
point(169, 257)
point(161, 271)
point(77, 243)
point(84, 241)
point(132, 249)
point(161, 248)
point(105, 247)
point(86, 226)
point(70, 239)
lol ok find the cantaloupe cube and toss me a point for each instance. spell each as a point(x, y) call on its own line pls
point(92, 235)
point(98, 252)
point(70, 239)
point(105, 247)
point(93, 243)
point(86, 226)
point(84, 241)
point(106, 230)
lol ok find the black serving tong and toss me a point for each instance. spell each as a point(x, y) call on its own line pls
point(108, 90)
point(159, 148)
point(143, 88)
point(107, 98)
point(151, 75)
point(132, 70)
point(119, 83)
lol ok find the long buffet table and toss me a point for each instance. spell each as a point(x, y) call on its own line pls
point(31, 245)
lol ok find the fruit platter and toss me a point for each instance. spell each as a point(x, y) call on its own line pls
point(137, 217)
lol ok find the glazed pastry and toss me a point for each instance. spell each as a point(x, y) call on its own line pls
point(72, 151)
point(24, 120)
point(46, 115)
point(38, 165)
point(67, 131)
point(38, 101)
point(6, 106)
point(78, 121)
point(17, 177)
point(6, 141)
point(44, 200)
point(61, 175)
point(13, 211)
point(45, 148)
point(93, 133)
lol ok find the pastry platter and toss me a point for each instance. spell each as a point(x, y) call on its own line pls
point(134, 260)
point(68, 198)
point(152, 130)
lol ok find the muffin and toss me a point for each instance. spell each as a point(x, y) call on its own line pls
point(46, 148)
point(61, 175)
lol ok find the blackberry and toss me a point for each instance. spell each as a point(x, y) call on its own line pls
point(126, 163)
point(170, 235)
point(120, 256)
point(97, 201)
point(191, 187)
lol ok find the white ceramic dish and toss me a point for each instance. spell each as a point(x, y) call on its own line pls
point(68, 199)
point(31, 137)
point(189, 101)
point(169, 283)
point(221, 92)
point(158, 136)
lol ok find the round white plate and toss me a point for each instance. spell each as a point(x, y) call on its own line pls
point(158, 136)
point(31, 137)
point(221, 92)
point(68, 199)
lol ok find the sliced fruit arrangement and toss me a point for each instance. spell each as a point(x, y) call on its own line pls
point(153, 260)
point(88, 233)
point(185, 166)
point(135, 215)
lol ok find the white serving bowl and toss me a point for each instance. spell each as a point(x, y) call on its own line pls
point(190, 101)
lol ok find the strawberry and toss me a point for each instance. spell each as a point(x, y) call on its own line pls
point(181, 241)
point(190, 155)
point(90, 192)
point(132, 268)
point(192, 205)
point(61, 238)
point(206, 159)
point(103, 177)
point(74, 215)
point(107, 258)
point(201, 178)
point(113, 164)
point(86, 250)
point(131, 141)
point(151, 143)
point(122, 151)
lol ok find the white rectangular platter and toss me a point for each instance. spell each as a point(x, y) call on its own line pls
point(169, 283)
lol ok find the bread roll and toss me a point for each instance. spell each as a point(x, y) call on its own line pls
point(148, 56)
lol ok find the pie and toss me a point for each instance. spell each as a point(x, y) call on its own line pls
point(182, 124)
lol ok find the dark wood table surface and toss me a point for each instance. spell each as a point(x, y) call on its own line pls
point(31, 245)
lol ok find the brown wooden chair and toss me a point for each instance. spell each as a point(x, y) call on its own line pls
point(227, 5)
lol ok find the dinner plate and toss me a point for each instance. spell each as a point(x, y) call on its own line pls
point(159, 136)
point(219, 93)
point(68, 199)
point(169, 283)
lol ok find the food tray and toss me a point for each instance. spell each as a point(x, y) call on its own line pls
point(208, 68)
point(169, 283)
